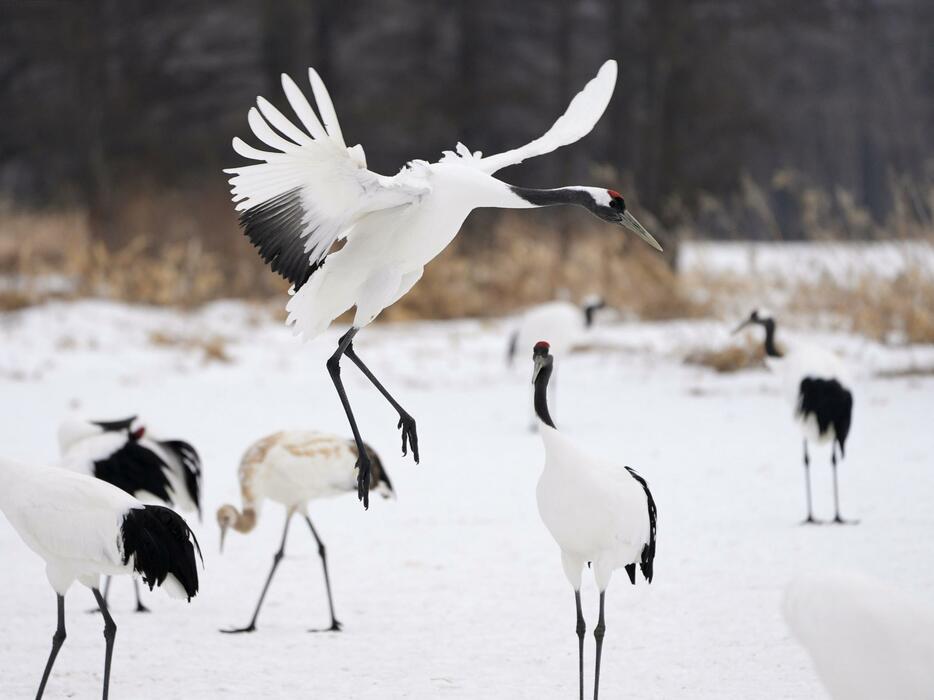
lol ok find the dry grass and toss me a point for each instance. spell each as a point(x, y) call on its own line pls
point(212, 348)
point(890, 311)
point(741, 355)
point(526, 264)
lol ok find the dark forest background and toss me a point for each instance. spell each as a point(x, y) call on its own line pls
point(744, 119)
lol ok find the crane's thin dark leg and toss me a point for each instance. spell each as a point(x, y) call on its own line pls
point(836, 496)
point(335, 625)
point(363, 460)
point(406, 422)
point(581, 629)
point(57, 640)
point(598, 633)
point(277, 557)
point(140, 608)
point(107, 580)
point(110, 632)
point(810, 520)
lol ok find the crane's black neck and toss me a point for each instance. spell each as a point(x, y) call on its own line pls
point(560, 195)
point(541, 394)
point(770, 348)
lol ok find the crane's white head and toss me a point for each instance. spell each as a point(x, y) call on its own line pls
point(758, 317)
point(229, 517)
point(73, 430)
point(610, 206)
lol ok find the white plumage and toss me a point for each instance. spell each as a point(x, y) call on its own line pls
point(124, 454)
point(84, 528)
point(564, 324)
point(599, 511)
point(311, 191)
point(817, 385)
point(293, 468)
point(867, 638)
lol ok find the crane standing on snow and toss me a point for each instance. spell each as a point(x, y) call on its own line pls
point(816, 384)
point(84, 528)
point(311, 191)
point(166, 472)
point(292, 468)
point(598, 511)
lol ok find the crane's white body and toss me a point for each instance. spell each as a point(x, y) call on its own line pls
point(392, 226)
point(560, 322)
point(296, 466)
point(71, 520)
point(594, 508)
point(802, 360)
point(867, 638)
point(81, 443)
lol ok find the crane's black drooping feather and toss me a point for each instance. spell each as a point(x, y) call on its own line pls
point(277, 229)
point(115, 425)
point(133, 468)
point(648, 551)
point(830, 403)
point(191, 465)
point(161, 544)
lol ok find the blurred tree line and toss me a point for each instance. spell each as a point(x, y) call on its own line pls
point(717, 99)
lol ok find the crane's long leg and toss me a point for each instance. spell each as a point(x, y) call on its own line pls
point(581, 629)
point(110, 632)
point(807, 485)
point(57, 640)
point(335, 625)
point(276, 558)
point(598, 633)
point(363, 460)
point(107, 579)
point(406, 422)
point(140, 608)
point(836, 497)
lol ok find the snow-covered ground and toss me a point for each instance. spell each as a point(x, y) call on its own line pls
point(455, 589)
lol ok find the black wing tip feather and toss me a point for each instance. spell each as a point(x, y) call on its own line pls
point(114, 425)
point(830, 403)
point(647, 563)
point(161, 544)
point(190, 460)
point(134, 468)
point(276, 229)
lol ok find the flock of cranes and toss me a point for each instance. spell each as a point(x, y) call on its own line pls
point(112, 509)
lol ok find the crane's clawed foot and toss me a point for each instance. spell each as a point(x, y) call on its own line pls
point(336, 626)
point(239, 630)
point(409, 435)
point(842, 521)
point(363, 478)
point(811, 520)
point(140, 608)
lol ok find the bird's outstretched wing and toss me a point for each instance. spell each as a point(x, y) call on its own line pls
point(304, 195)
point(577, 121)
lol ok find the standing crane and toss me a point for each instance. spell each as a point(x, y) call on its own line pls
point(599, 512)
point(293, 468)
point(816, 384)
point(85, 528)
point(166, 472)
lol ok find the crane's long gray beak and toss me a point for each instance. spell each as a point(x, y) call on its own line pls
point(539, 363)
point(223, 535)
point(630, 222)
point(741, 326)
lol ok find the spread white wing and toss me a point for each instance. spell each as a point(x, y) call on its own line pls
point(306, 193)
point(577, 121)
